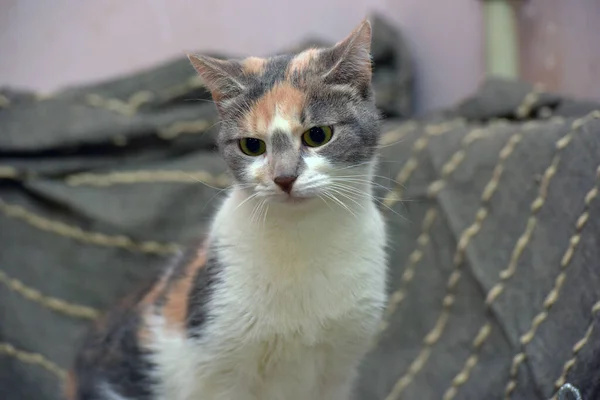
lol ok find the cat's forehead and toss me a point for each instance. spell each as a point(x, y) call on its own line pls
point(279, 103)
point(283, 67)
point(279, 109)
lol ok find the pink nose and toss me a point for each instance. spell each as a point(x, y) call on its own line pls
point(285, 182)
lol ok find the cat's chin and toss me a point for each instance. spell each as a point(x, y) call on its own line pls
point(294, 200)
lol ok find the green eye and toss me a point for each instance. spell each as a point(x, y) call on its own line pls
point(317, 136)
point(252, 147)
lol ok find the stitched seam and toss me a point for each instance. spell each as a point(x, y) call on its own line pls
point(184, 127)
point(173, 131)
point(485, 330)
point(398, 296)
point(130, 106)
point(193, 82)
point(579, 345)
point(435, 334)
point(552, 296)
point(4, 101)
point(524, 109)
point(32, 358)
point(7, 172)
point(95, 238)
point(148, 176)
point(52, 303)
point(412, 163)
point(433, 190)
point(396, 135)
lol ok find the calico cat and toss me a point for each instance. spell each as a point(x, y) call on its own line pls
point(283, 298)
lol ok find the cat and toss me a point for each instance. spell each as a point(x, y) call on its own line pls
point(283, 298)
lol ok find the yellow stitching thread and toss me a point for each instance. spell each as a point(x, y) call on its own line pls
point(61, 306)
point(524, 109)
point(411, 164)
point(41, 96)
point(396, 135)
point(576, 349)
point(77, 233)
point(8, 173)
point(430, 215)
point(434, 335)
point(150, 176)
point(128, 107)
point(413, 260)
point(32, 358)
point(484, 331)
point(554, 294)
point(455, 161)
point(184, 127)
point(193, 82)
point(4, 101)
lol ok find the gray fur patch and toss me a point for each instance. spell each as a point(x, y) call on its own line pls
point(281, 142)
point(285, 155)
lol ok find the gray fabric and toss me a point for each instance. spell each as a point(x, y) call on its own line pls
point(72, 233)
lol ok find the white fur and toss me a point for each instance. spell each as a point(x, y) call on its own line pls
point(109, 394)
point(279, 122)
point(300, 299)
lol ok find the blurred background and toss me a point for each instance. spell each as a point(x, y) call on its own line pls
point(47, 45)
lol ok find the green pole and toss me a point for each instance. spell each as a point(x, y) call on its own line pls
point(501, 41)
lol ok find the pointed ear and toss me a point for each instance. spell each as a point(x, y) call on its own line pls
point(351, 58)
point(223, 78)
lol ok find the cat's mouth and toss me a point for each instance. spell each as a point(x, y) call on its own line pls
point(293, 198)
point(290, 199)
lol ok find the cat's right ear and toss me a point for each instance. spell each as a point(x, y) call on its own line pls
point(221, 77)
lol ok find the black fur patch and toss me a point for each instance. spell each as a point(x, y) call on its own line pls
point(200, 295)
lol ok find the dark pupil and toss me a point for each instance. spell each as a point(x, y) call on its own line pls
point(253, 145)
point(317, 135)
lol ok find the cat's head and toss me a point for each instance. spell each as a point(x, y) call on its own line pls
point(297, 126)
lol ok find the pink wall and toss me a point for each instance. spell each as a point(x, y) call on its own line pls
point(559, 45)
point(46, 45)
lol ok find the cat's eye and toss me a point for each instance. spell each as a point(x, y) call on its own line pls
point(252, 147)
point(317, 136)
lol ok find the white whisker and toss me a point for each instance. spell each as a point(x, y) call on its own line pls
point(341, 203)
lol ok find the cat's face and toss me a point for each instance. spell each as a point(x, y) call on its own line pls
point(299, 126)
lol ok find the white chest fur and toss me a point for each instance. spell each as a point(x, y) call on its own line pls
point(296, 306)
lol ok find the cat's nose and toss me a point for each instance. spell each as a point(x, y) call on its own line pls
point(285, 182)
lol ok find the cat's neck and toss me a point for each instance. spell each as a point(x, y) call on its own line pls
point(285, 237)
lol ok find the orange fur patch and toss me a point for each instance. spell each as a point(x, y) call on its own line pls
point(254, 65)
point(149, 299)
point(283, 98)
point(301, 62)
point(70, 389)
point(175, 309)
point(155, 291)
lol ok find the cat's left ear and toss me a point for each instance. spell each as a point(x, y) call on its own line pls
point(350, 59)
point(223, 78)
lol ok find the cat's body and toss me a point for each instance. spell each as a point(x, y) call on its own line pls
point(282, 300)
